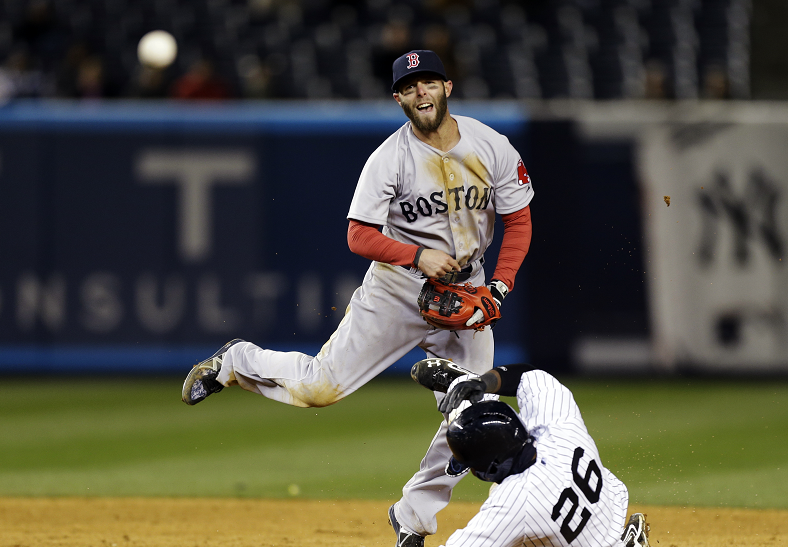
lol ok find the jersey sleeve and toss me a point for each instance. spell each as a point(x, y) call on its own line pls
point(543, 400)
point(377, 184)
point(513, 189)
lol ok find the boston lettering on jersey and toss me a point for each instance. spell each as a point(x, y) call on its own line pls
point(473, 198)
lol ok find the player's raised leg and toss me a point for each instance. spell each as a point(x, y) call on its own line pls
point(362, 346)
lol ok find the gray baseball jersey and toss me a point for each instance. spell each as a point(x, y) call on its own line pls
point(442, 200)
point(567, 497)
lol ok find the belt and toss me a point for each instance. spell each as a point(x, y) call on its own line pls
point(454, 277)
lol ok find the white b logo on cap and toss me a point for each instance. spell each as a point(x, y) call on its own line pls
point(413, 60)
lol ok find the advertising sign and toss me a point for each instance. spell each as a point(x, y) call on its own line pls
point(716, 223)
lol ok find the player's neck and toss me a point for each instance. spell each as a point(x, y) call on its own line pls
point(444, 138)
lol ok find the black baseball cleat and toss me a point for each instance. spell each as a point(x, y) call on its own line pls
point(404, 539)
point(636, 532)
point(201, 380)
point(437, 374)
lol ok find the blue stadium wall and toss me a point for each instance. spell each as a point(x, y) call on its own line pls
point(138, 237)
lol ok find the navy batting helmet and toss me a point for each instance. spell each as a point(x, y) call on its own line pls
point(486, 437)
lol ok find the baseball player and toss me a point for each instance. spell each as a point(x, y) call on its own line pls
point(424, 207)
point(550, 485)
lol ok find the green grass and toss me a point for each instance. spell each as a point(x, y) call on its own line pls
point(693, 442)
point(672, 442)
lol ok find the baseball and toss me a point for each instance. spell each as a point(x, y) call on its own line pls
point(157, 49)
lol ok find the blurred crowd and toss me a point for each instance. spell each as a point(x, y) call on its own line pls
point(319, 49)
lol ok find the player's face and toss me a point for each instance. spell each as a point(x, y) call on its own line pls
point(423, 99)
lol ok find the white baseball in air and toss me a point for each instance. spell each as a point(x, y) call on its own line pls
point(157, 49)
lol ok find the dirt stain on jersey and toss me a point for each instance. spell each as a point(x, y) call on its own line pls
point(477, 169)
point(435, 169)
point(475, 175)
point(465, 184)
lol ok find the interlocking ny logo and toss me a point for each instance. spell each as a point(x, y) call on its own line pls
point(413, 60)
point(752, 215)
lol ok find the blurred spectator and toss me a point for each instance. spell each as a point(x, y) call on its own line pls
point(715, 82)
point(68, 71)
point(82, 75)
point(18, 79)
point(395, 39)
point(255, 77)
point(7, 89)
point(263, 9)
point(438, 39)
point(60, 38)
point(656, 80)
point(149, 83)
point(90, 79)
point(200, 82)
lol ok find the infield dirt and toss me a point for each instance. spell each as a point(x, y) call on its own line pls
point(212, 522)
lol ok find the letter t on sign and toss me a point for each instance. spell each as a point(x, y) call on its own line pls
point(195, 172)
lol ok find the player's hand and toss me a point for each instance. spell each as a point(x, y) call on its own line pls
point(434, 263)
point(470, 390)
point(499, 290)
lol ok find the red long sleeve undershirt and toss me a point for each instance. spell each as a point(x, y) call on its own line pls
point(515, 244)
point(365, 240)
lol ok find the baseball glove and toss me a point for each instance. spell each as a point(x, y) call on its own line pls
point(451, 306)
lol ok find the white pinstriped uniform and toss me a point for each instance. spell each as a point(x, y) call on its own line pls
point(548, 504)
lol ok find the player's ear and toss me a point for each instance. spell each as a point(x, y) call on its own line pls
point(396, 98)
point(447, 86)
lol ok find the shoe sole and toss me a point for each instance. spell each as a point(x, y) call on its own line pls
point(188, 383)
point(643, 530)
point(437, 374)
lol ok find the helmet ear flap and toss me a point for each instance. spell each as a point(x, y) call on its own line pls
point(491, 470)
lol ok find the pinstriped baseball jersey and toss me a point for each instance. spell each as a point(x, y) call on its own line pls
point(567, 497)
point(442, 200)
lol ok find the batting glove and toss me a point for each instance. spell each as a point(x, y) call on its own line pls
point(499, 290)
point(470, 390)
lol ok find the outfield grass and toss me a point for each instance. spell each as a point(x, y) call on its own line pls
point(673, 442)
